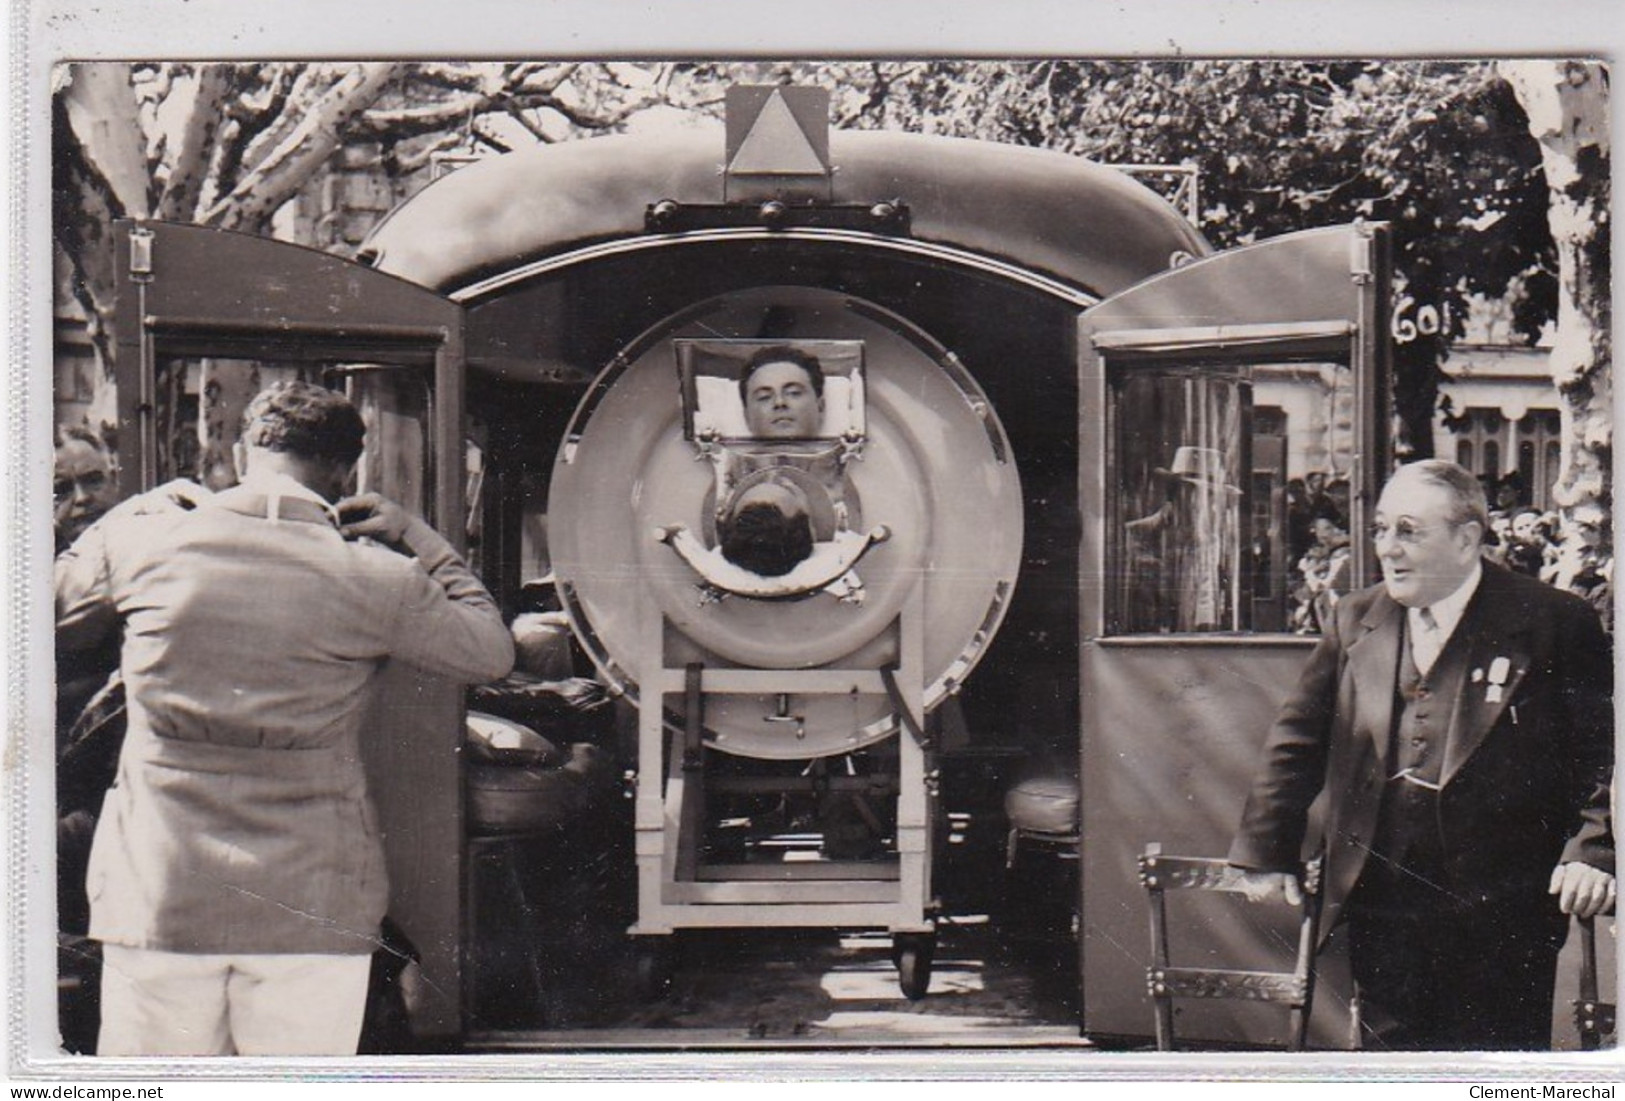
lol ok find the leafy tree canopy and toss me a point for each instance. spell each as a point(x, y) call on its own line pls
point(1441, 150)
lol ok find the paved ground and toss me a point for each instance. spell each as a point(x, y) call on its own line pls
point(745, 989)
point(558, 971)
point(1004, 978)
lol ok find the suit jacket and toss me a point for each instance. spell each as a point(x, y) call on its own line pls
point(239, 820)
point(1528, 757)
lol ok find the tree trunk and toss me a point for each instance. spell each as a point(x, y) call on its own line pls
point(1567, 104)
point(100, 170)
point(226, 388)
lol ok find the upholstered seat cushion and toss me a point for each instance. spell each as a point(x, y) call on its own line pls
point(1043, 804)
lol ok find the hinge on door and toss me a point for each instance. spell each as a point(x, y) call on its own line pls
point(1360, 256)
point(140, 255)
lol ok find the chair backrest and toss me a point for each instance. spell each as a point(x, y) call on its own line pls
point(1162, 872)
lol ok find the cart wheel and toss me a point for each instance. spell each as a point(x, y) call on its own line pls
point(656, 961)
point(912, 952)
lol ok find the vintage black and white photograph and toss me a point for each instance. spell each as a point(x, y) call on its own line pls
point(1055, 555)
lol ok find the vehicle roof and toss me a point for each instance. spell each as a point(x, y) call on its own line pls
point(1085, 224)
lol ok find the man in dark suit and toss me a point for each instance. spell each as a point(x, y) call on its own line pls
point(1460, 721)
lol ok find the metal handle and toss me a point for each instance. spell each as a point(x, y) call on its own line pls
point(783, 715)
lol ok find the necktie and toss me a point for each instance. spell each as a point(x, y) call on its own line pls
point(1426, 645)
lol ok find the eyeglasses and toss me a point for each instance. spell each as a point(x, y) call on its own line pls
point(1403, 530)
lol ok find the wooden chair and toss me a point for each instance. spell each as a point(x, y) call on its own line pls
point(1160, 873)
point(1594, 1018)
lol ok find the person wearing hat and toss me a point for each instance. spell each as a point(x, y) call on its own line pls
point(1458, 718)
point(237, 880)
point(1188, 578)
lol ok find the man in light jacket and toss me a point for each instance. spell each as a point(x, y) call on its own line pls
point(237, 876)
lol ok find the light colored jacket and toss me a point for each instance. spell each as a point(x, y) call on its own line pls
point(253, 634)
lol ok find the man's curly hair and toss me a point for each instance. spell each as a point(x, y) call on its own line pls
point(306, 420)
point(765, 540)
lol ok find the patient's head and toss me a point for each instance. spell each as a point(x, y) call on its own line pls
point(767, 529)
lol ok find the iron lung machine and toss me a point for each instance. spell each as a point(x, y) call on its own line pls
point(790, 702)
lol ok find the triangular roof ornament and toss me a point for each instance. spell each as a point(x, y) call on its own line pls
point(777, 143)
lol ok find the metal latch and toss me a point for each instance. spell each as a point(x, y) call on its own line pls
point(141, 255)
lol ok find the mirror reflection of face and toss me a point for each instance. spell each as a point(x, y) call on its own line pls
point(781, 403)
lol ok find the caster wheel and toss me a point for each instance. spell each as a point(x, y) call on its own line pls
point(656, 969)
point(913, 952)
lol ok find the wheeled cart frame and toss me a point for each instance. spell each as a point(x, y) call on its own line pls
point(677, 889)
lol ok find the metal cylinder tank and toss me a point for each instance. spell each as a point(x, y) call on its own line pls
point(930, 475)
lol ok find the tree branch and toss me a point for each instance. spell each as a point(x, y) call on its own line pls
point(285, 169)
point(199, 136)
point(409, 122)
point(408, 163)
point(403, 122)
point(535, 130)
point(310, 85)
point(536, 77)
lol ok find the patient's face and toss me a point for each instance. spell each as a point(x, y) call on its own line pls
point(781, 404)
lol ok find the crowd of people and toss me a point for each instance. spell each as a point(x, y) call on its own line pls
point(1569, 552)
point(1318, 547)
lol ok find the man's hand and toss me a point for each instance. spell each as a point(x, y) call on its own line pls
point(374, 517)
point(1582, 890)
point(1272, 887)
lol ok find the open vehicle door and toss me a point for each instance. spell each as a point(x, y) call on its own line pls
point(1205, 392)
point(206, 317)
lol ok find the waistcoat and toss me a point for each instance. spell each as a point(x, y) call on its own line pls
point(1407, 831)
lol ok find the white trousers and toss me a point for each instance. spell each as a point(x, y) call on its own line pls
point(173, 1003)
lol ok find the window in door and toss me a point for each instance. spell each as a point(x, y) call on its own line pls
point(1230, 501)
